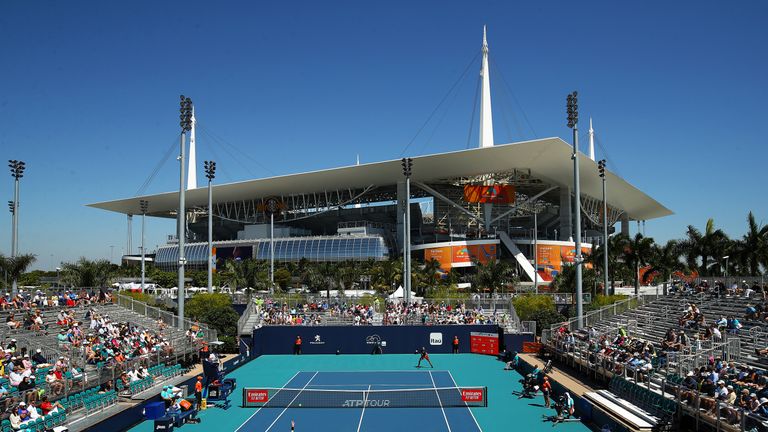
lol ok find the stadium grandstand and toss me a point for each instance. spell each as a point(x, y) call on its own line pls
point(693, 359)
point(72, 359)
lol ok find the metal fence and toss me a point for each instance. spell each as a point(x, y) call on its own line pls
point(168, 318)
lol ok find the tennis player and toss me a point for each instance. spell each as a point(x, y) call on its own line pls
point(424, 356)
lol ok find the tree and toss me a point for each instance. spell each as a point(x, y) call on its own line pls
point(494, 274)
point(426, 276)
point(699, 247)
point(87, 273)
point(565, 281)
point(636, 254)
point(14, 267)
point(615, 250)
point(283, 278)
point(753, 248)
point(664, 261)
point(215, 310)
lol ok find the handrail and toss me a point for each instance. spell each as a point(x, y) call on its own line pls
point(142, 308)
point(602, 313)
point(249, 310)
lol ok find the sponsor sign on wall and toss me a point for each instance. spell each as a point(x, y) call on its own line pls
point(435, 338)
point(448, 256)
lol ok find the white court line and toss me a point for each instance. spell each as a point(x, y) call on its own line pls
point(468, 409)
point(362, 413)
point(440, 402)
point(257, 411)
point(294, 398)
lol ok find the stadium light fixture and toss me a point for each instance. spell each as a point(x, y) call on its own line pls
point(572, 106)
point(210, 173)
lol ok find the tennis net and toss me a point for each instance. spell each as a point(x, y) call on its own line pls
point(445, 397)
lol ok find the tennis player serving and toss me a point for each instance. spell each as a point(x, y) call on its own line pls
point(424, 356)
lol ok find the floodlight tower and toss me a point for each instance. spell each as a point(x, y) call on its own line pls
point(573, 123)
point(17, 172)
point(601, 171)
point(143, 205)
point(407, 169)
point(185, 116)
point(210, 173)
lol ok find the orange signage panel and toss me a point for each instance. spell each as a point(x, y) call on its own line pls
point(496, 194)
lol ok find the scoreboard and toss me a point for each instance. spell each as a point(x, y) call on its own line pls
point(484, 343)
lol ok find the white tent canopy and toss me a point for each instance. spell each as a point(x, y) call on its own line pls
point(399, 294)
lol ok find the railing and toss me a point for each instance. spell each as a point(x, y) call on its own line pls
point(528, 327)
point(250, 309)
point(593, 317)
point(168, 318)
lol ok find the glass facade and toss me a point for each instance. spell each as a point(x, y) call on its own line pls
point(336, 248)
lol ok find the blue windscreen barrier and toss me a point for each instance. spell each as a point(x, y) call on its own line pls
point(363, 339)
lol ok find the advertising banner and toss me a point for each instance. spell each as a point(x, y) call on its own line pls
point(447, 256)
point(551, 258)
point(496, 194)
point(484, 343)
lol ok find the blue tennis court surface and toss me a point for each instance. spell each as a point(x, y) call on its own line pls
point(504, 412)
point(437, 418)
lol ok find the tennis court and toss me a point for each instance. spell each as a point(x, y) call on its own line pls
point(356, 372)
point(375, 401)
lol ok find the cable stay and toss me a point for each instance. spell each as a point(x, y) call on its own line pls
point(159, 166)
point(432, 114)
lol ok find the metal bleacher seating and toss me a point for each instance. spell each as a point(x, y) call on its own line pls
point(81, 396)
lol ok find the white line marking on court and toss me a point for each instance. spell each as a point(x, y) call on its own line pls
point(292, 400)
point(362, 413)
point(257, 411)
point(470, 411)
point(440, 402)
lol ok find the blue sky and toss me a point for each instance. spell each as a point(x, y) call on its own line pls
point(89, 97)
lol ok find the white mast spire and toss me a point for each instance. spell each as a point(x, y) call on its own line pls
point(192, 171)
point(591, 140)
point(486, 117)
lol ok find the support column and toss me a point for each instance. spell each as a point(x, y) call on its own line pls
point(625, 224)
point(400, 215)
point(566, 215)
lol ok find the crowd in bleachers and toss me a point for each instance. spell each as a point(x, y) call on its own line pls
point(53, 299)
point(35, 384)
point(734, 391)
point(392, 313)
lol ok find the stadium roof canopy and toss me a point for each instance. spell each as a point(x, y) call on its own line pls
point(548, 159)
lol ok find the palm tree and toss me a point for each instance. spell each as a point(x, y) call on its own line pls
point(753, 247)
point(14, 267)
point(425, 276)
point(636, 254)
point(699, 247)
point(616, 246)
point(493, 274)
point(665, 260)
point(87, 273)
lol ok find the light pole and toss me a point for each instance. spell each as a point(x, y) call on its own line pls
point(725, 273)
point(185, 109)
point(407, 169)
point(573, 123)
point(17, 172)
point(535, 250)
point(272, 206)
point(144, 205)
point(210, 173)
point(601, 169)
